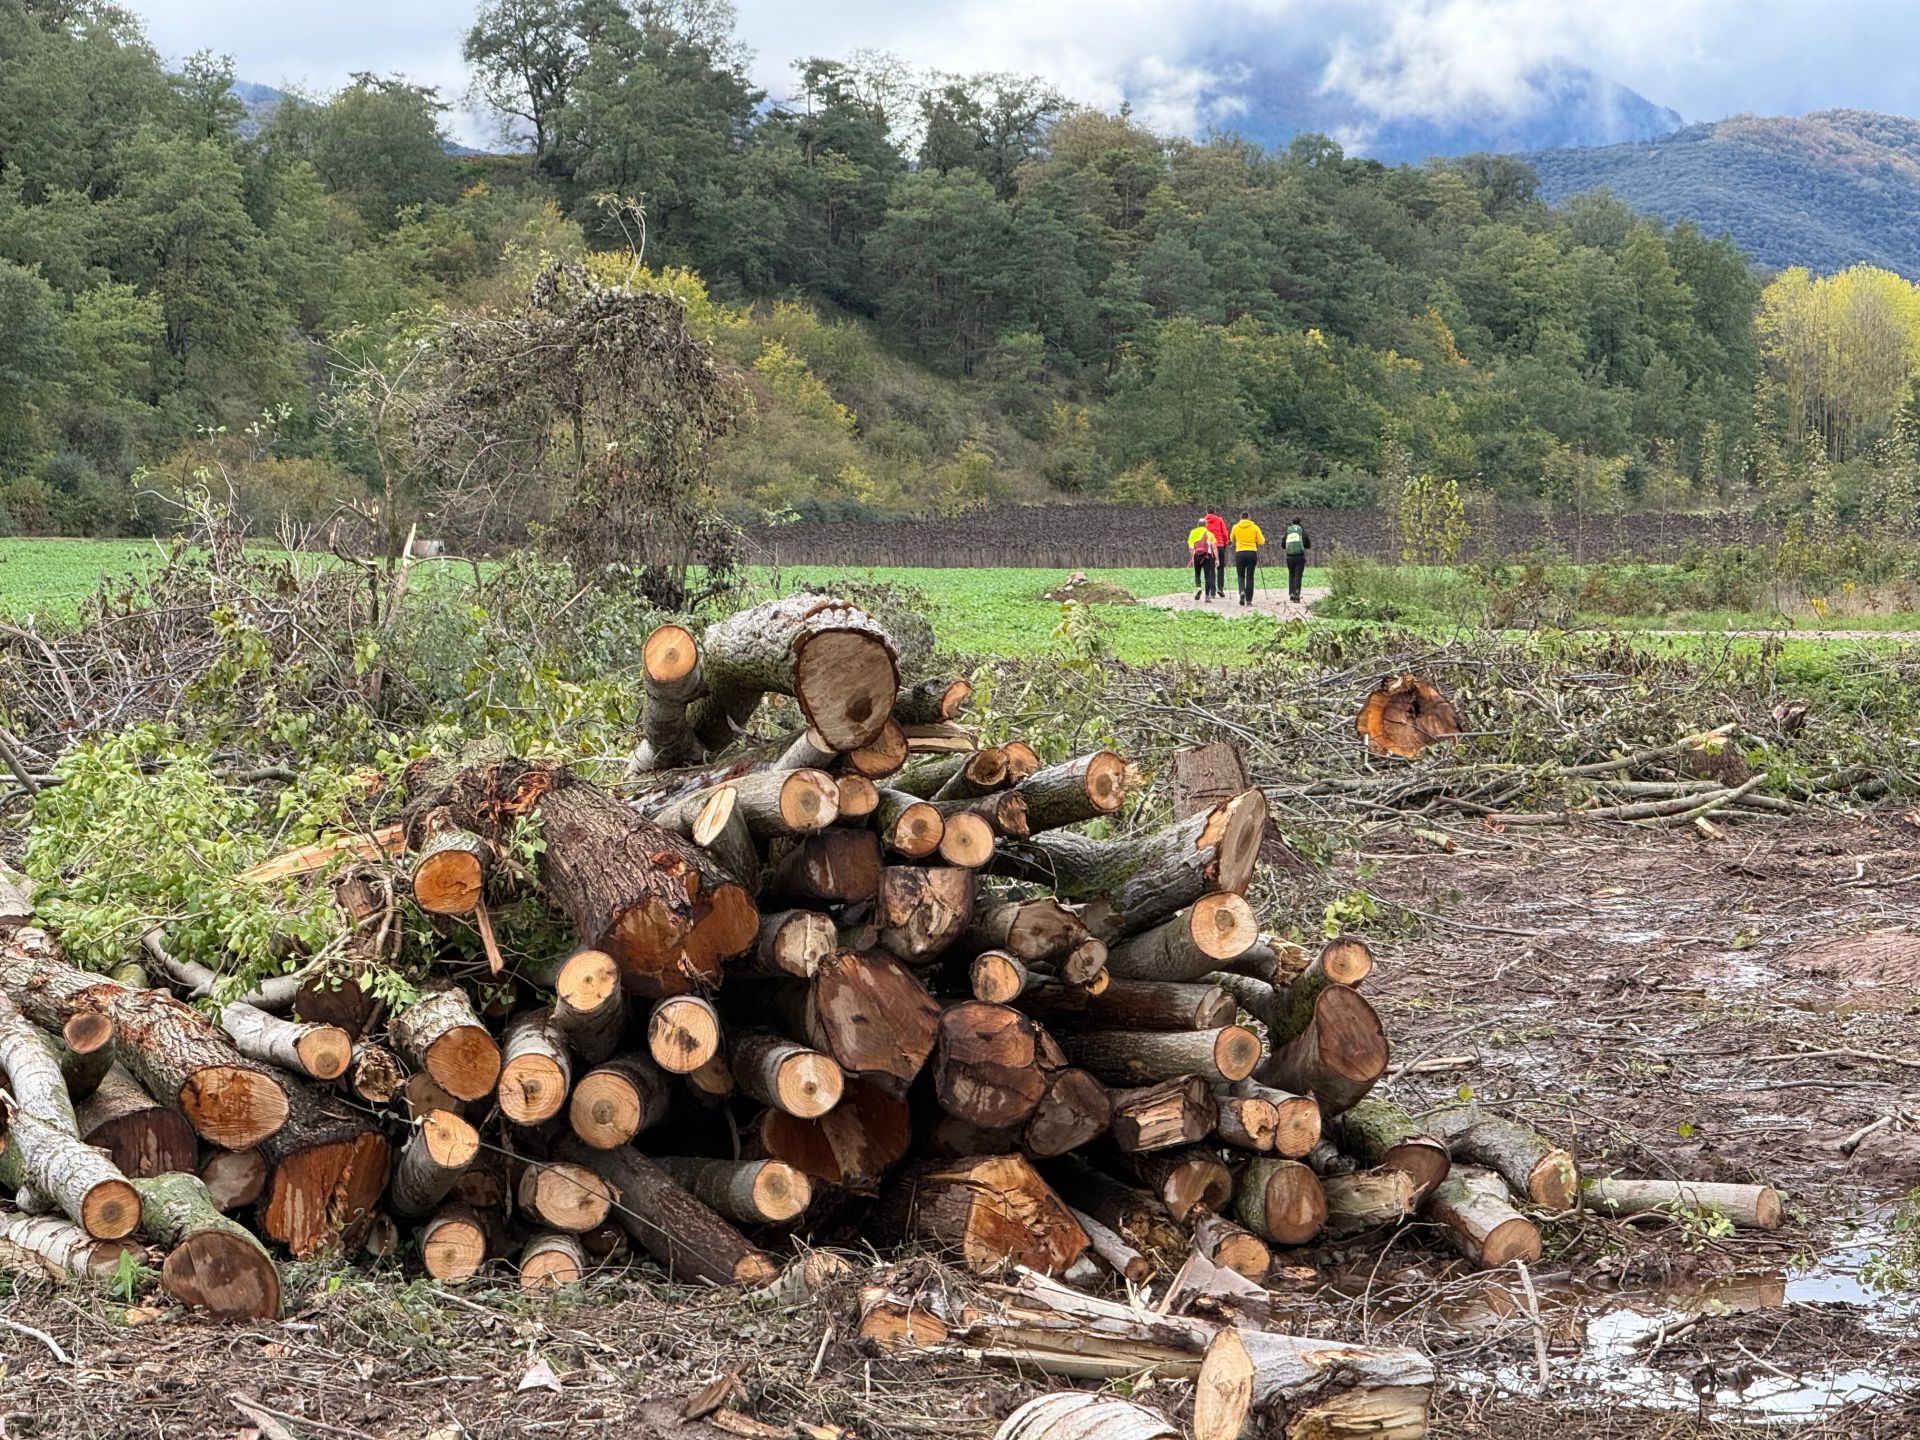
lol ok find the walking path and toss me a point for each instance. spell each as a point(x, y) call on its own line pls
point(1267, 600)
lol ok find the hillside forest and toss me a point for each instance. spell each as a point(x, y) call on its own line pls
point(924, 293)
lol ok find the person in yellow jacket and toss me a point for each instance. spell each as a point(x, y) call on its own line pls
point(1247, 541)
point(1203, 551)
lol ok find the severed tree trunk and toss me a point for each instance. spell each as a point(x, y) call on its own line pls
point(1752, 1207)
point(1180, 1111)
point(911, 827)
point(1077, 791)
point(1250, 1123)
point(747, 1192)
point(921, 912)
point(881, 756)
point(1378, 1132)
point(928, 702)
point(550, 1261)
point(1535, 1167)
point(1134, 1005)
point(791, 1078)
point(234, 1178)
point(850, 1147)
point(617, 1100)
point(1004, 812)
point(967, 840)
point(566, 1194)
point(670, 664)
point(986, 1070)
point(535, 1071)
point(869, 1013)
point(450, 869)
point(1185, 1179)
point(990, 1211)
point(859, 797)
point(683, 1033)
point(831, 657)
point(980, 773)
point(1281, 1200)
point(997, 977)
point(835, 867)
point(1194, 943)
point(791, 943)
point(1368, 1199)
point(589, 1002)
point(320, 1052)
point(453, 1244)
point(212, 1262)
point(1471, 1208)
point(1297, 1117)
point(82, 1182)
point(1030, 930)
point(441, 1147)
point(1074, 1111)
point(685, 1236)
point(1228, 1245)
point(61, 1247)
point(327, 1169)
point(85, 1053)
point(1338, 1058)
point(443, 1037)
point(140, 1135)
point(1342, 962)
point(1136, 1057)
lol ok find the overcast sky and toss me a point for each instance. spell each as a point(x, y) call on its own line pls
point(1705, 58)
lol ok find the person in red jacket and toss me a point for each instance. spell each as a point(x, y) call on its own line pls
point(1217, 528)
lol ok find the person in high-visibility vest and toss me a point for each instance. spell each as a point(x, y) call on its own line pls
point(1222, 549)
point(1202, 550)
point(1247, 541)
point(1296, 545)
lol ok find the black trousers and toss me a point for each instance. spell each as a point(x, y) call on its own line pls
point(1246, 562)
point(1204, 577)
point(1296, 568)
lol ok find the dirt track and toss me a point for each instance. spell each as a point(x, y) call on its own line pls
point(1267, 600)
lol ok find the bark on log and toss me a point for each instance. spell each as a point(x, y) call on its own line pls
point(1185, 1179)
point(928, 702)
point(1030, 930)
point(791, 1078)
point(1256, 1382)
point(997, 977)
point(1138, 1057)
point(450, 870)
point(685, 1236)
point(140, 1135)
point(1075, 1111)
point(569, 1194)
point(1293, 1007)
point(1535, 1167)
point(912, 827)
point(1337, 1059)
point(1227, 1244)
point(852, 1146)
point(212, 1262)
point(721, 832)
point(1003, 810)
point(670, 663)
point(234, 1178)
point(1135, 1215)
point(1368, 1199)
point(1077, 1415)
point(1023, 761)
point(87, 1187)
point(986, 1070)
point(550, 1261)
point(60, 1246)
point(1154, 1117)
point(1281, 1200)
point(441, 1147)
point(31, 1059)
point(319, 1052)
point(923, 911)
point(1115, 1252)
point(1197, 941)
point(1167, 1005)
point(1075, 792)
point(1751, 1207)
point(683, 1033)
point(1378, 1132)
point(327, 1171)
point(991, 1212)
point(589, 1002)
point(791, 943)
point(1253, 996)
point(831, 657)
point(1298, 1118)
point(1471, 1208)
point(617, 1100)
point(1249, 1122)
point(443, 1037)
point(835, 867)
point(535, 1071)
point(747, 1192)
point(453, 1244)
point(86, 1053)
point(980, 773)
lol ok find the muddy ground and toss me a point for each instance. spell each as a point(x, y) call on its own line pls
point(1719, 1009)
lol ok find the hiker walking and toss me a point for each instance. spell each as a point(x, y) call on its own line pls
point(1247, 541)
point(1221, 550)
point(1205, 556)
point(1296, 545)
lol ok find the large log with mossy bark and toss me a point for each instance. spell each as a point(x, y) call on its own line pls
point(1337, 1058)
point(1378, 1132)
point(653, 900)
point(213, 1263)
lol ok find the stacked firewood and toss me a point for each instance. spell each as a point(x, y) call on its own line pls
point(869, 972)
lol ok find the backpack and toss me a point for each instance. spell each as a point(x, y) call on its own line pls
point(1296, 541)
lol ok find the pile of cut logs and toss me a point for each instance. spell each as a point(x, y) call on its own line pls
point(867, 973)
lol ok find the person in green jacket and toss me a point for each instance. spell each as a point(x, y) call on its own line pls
point(1296, 545)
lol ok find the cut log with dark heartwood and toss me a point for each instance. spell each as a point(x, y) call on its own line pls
point(986, 1070)
point(212, 1262)
point(1137, 1057)
point(1194, 943)
point(1080, 790)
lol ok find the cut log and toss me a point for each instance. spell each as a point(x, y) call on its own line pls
point(1261, 1382)
point(807, 752)
point(443, 1037)
point(980, 773)
point(683, 1033)
point(1186, 1179)
point(1378, 1132)
point(882, 756)
point(212, 1262)
point(320, 1052)
point(1085, 965)
point(1297, 1117)
point(569, 1194)
point(1003, 810)
point(986, 1070)
point(1023, 761)
point(423, 1094)
point(786, 802)
point(1154, 1117)
point(327, 1169)
point(181, 1058)
point(990, 1212)
point(858, 796)
point(331, 997)
point(31, 1059)
point(617, 1100)
point(791, 942)
point(1197, 941)
point(450, 871)
point(1281, 1200)
point(966, 840)
point(713, 1080)
point(1293, 1007)
point(1030, 930)
point(1535, 1167)
point(63, 1248)
point(720, 830)
point(922, 912)
point(685, 1236)
point(1752, 1207)
point(1338, 1058)
point(1114, 1251)
point(589, 1002)
point(535, 1071)
point(997, 977)
point(1368, 1199)
point(1471, 1208)
point(653, 900)
point(453, 1244)
point(441, 1147)
point(1134, 1005)
point(87, 1187)
point(670, 663)
point(140, 1135)
point(234, 1178)
point(852, 1146)
point(1074, 1111)
point(835, 867)
point(1078, 791)
point(747, 1192)
point(831, 657)
point(1137, 1057)
point(870, 1014)
point(1404, 715)
point(1076, 1415)
point(1136, 882)
point(85, 1053)
point(375, 1074)
point(911, 827)
point(550, 1261)
point(928, 702)
point(1227, 1244)
point(1135, 1215)
point(1252, 995)
point(1250, 1123)
point(791, 1078)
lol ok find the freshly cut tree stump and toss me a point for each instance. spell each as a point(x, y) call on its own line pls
point(375, 1074)
point(1194, 943)
point(435, 1155)
point(442, 1036)
point(828, 655)
point(141, 1136)
point(1029, 930)
point(1226, 1244)
point(85, 1053)
point(1187, 1179)
point(747, 1192)
point(912, 827)
point(1297, 1121)
point(1337, 1059)
point(234, 1178)
point(1077, 1415)
point(1262, 1382)
point(1134, 1005)
point(535, 1072)
point(589, 1003)
point(327, 1169)
point(320, 1052)
point(1077, 791)
point(670, 663)
point(835, 867)
point(966, 840)
point(1535, 1167)
point(1369, 1199)
point(86, 1186)
point(450, 871)
point(792, 943)
point(63, 1248)
point(991, 1212)
point(1342, 962)
point(922, 912)
point(453, 1244)
point(1471, 1208)
point(617, 1100)
point(1155, 1117)
point(852, 1146)
point(570, 1194)
point(1137, 1057)
point(997, 977)
point(1751, 1207)
point(1281, 1200)
point(683, 1033)
point(212, 1262)
point(791, 1078)
point(928, 702)
point(1074, 1111)
point(986, 1070)
point(1250, 1123)
point(551, 1260)
point(686, 1237)
point(1378, 1132)
point(653, 900)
